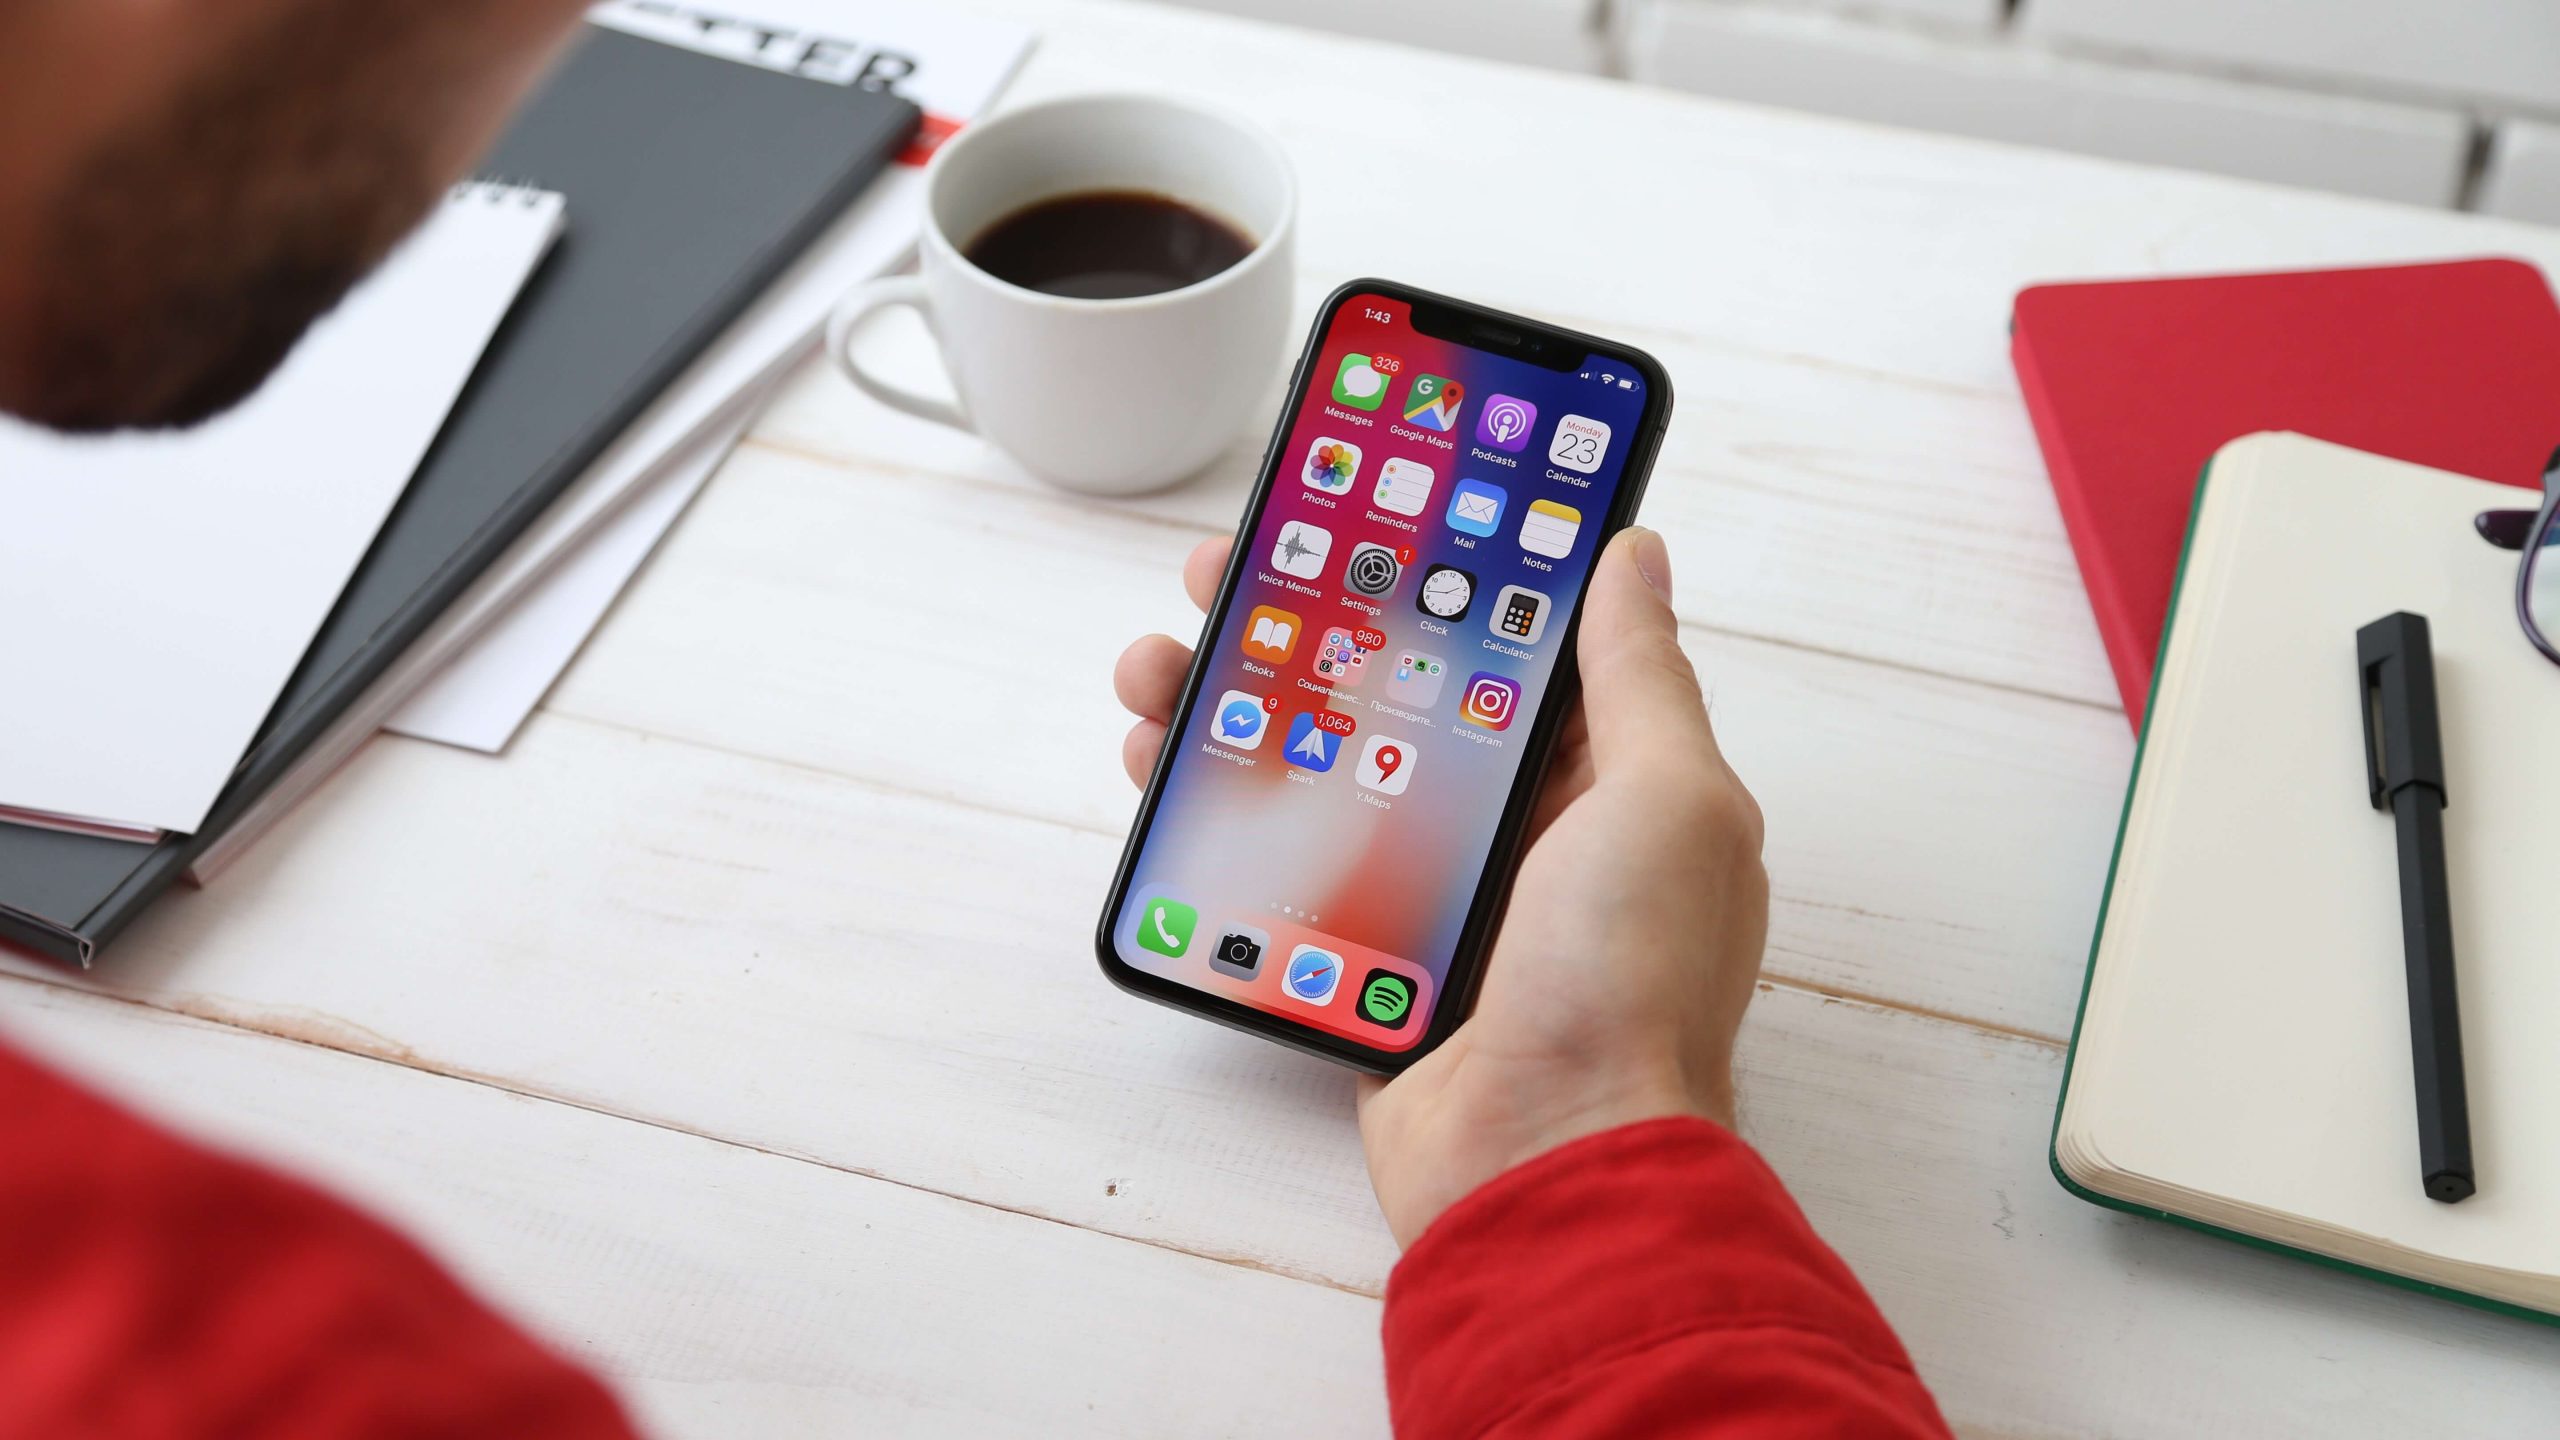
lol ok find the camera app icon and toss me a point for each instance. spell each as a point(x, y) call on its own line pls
point(1238, 953)
point(1491, 699)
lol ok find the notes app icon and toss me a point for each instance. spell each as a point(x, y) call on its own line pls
point(1549, 529)
point(1270, 634)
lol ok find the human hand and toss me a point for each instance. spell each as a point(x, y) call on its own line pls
point(1632, 940)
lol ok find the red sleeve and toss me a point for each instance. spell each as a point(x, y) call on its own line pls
point(1654, 1280)
point(150, 1287)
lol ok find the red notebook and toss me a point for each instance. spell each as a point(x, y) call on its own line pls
point(2134, 384)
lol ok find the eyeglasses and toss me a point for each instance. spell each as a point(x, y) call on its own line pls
point(2538, 569)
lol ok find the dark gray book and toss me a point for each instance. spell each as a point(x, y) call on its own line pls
point(692, 182)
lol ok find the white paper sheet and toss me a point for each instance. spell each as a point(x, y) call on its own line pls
point(157, 589)
point(486, 694)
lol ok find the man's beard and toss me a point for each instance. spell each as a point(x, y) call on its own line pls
point(192, 251)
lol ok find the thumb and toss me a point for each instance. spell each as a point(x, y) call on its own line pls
point(1639, 696)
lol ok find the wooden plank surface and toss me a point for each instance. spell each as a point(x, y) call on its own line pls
point(726, 1291)
point(790, 890)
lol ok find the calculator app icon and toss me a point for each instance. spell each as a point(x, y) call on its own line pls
point(1520, 613)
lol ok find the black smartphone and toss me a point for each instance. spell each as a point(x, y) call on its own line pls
point(1325, 847)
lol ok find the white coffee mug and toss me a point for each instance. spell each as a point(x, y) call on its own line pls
point(1110, 397)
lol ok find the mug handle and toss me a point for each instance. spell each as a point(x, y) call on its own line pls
point(854, 312)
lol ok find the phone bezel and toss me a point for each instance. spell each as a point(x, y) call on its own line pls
point(1496, 332)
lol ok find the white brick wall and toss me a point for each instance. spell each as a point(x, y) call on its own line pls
point(2505, 51)
point(2008, 92)
point(2385, 98)
point(1552, 34)
point(2523, 182)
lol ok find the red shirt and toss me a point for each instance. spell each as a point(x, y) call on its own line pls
point(1651, 1281)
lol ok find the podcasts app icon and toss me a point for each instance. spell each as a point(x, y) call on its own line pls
point(1505, 422)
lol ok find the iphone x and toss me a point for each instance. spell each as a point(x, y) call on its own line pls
point(1325, 847)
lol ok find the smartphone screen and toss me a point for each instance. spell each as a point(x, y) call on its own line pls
point(1320, 838)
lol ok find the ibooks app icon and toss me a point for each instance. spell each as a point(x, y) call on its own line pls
point(1270, 634)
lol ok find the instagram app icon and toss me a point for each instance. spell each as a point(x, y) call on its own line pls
point(1505, 422)
point(1490, 700)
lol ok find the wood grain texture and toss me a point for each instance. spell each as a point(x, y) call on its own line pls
point(724, 1292)
point(776, 925)
point(897, 986)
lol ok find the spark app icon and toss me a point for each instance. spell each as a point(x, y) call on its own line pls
point(1476, 507)
point(1505, 422)
point(1311, 746)
point(1433, 402)
point(1313, 975)
point(1301, 549)
point(1491, 699)
point(1271, 634)
point(1332, 465)
point(1386, 766)
point(1241, 721)
point(1361, 383)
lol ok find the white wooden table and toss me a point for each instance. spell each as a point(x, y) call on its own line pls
point(740, 1029)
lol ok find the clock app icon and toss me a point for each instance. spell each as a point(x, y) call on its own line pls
point(1446, 592)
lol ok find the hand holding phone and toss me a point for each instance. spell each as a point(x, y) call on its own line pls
point(1635, 927)
point(1323, 851)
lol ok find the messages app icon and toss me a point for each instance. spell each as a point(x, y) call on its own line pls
point(1476, 507)
point(1361, 383)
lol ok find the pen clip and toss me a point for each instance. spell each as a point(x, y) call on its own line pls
point(2395, 660)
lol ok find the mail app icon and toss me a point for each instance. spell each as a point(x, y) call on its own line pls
point(1476, 507)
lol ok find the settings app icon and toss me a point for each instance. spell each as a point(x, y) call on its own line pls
point(1373, 570)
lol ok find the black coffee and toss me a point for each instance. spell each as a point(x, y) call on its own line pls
point(1107, 245)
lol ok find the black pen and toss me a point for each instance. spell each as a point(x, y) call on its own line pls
point(2404, 772)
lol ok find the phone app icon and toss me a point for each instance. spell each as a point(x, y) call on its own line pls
point(1404, 486)
point(1505, 422)
point(1520, 613)
point(1332, 465)
point(1271, 634)
point(1416, 685)
point(1165, 926)
point(1476, 507)
point(1239, 951)
point(1301, 549)
point(1386, 998)
point(1241, 721)
point(1341, 659)
point(1446, 592)
point(1490, 700)
point(1550, 528)
point(1386, 766)
point(1361, 383)
point(1581, 443)
point(1432, 402)
point(1372, 569)
point(1311, 746)
point(1313, 975)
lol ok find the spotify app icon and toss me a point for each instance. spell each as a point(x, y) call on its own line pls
point(1386, 998)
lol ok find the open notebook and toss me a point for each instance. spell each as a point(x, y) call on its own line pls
point(2242, 1057)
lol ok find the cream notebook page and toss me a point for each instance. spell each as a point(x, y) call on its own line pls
point(2244, 1058)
